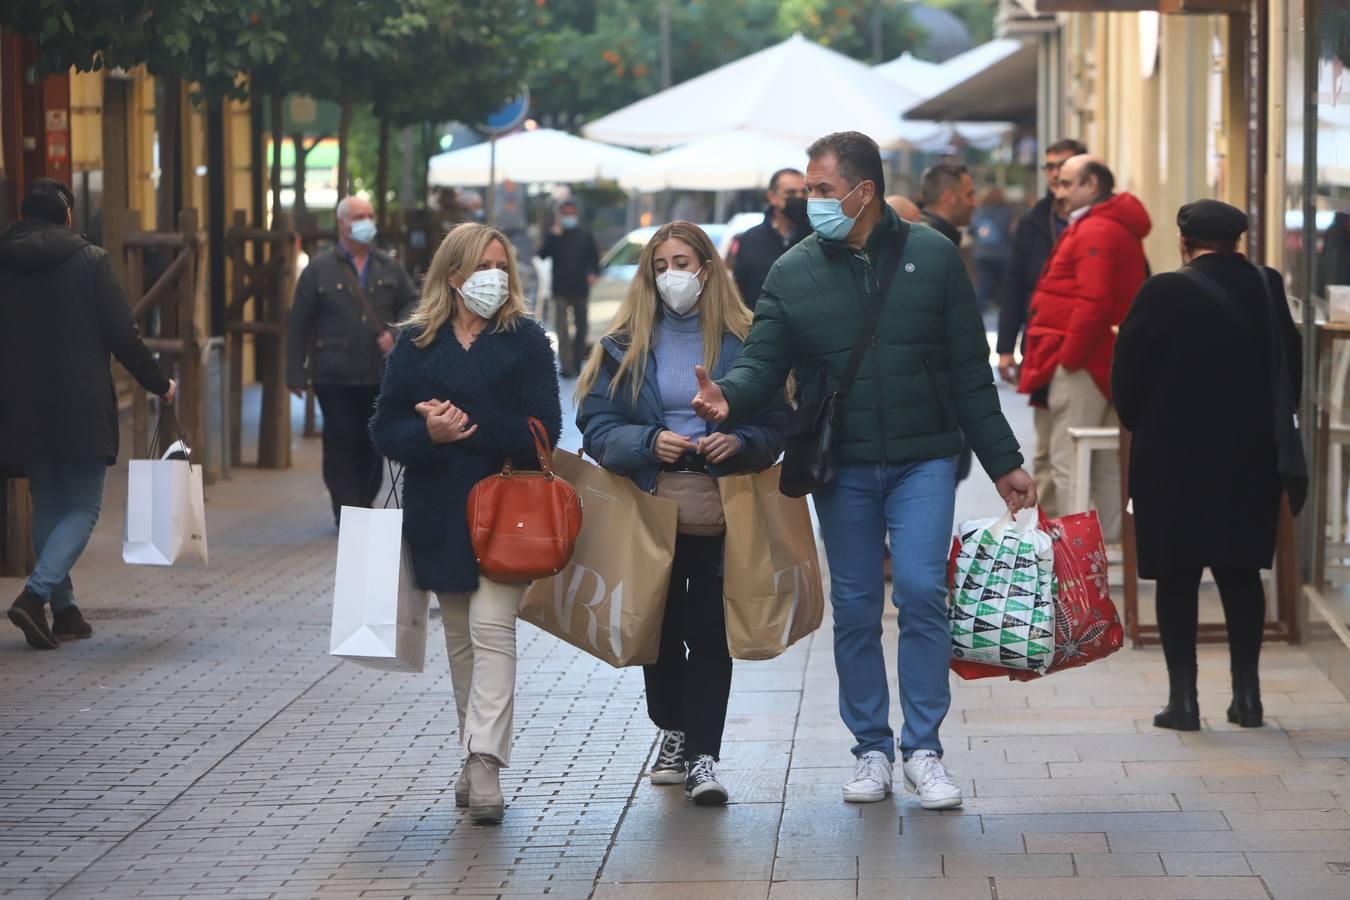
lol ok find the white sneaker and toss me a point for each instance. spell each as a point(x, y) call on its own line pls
point(872, 777)
point(929, 778)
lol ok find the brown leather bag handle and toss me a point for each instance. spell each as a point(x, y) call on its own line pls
point(541, 450)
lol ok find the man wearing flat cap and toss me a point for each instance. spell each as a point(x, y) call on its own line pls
point(1198, 363)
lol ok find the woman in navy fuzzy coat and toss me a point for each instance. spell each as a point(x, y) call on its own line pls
point(468, 372)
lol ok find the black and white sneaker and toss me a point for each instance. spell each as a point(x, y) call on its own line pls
point(669, 767)
point(702, 785)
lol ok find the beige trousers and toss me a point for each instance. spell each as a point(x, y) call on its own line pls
point(1077, 402)
point(1045, 477)
point(480, 639)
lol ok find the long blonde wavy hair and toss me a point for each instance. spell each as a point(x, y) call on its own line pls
point(458, 258)
point(721, 311)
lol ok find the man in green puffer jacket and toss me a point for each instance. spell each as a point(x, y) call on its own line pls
point(925, 379)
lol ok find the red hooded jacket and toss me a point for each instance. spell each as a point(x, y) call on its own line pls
point(1086, 287)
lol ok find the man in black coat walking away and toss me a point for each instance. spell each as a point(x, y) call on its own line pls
point(576, 265)
point(1200, 362)
point(1033, 239)
point(784, 225)
point(343, 324)
point(62, 313)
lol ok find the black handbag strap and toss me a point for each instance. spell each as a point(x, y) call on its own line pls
point(874, 313)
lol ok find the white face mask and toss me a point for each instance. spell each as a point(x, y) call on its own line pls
point(679, 290)
point(486, 291)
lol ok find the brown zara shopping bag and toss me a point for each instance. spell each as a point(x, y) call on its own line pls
point(774, 595)
point(609, 600)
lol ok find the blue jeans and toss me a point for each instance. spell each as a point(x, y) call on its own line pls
point(67, 498)
point(914, 503)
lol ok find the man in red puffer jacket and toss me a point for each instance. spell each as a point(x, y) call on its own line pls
point(1085, 290)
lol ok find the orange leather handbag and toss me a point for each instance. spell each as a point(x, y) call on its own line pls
point(524, 525)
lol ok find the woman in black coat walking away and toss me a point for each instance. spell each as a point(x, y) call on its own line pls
point(1194, 382)
point(469, 370)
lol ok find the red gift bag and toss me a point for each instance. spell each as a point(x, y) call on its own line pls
point(1087, 626)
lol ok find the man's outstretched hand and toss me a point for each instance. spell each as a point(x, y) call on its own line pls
point(710, 403)
point(1018, 490)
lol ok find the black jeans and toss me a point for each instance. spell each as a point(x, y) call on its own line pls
point(571, 350)
point(689, 693)
point(351, 465)
point(1244, 610)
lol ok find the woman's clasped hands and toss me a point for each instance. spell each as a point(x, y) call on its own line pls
point(717, 447)
point(446, 423)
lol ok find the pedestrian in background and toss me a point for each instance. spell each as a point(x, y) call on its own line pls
point(681, 311)
point(925, 381)
point(1033, 239)
point(1193, 381)
point(576, 266)
point(62, 315)
point(991, 233)
point(468, 372)
point(947, 199)
point(784, 225)
point(1094, 272)
point(340, 331)
point(905, 208)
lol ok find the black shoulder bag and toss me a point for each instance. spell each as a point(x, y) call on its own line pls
point(1291, 464)
point(811, 447)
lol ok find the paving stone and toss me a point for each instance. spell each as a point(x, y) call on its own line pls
point(1141, 888)
point(1307, 887)
point(817, 868)
point(995, 864)
point(1206, 864)
point(690, 890)
point(1104, 864)
point(813, 890)
point(1071, 842)
point(926, 889)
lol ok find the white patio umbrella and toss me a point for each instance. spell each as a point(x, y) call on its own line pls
point(529, 156)
point(927, 80)
point(725, 162)
point(796, 90)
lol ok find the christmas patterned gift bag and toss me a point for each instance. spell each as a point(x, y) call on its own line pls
point(1003, 594)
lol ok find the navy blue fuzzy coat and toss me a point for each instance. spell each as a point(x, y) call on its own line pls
point(502, 380)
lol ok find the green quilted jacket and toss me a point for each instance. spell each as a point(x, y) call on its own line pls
point(927, 373)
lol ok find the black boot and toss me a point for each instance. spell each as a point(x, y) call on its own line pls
point(1182, 712)
point(1245, 709)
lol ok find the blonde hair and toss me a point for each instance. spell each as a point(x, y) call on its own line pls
point(458, 257)
point(721, 311)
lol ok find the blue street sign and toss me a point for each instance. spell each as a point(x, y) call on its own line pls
point(512, 113)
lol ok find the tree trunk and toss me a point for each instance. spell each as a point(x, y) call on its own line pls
point(299, 207)
point(406, 189)
point(382, 175)
point(277, 138)
point(344, 127)
point(170, 125)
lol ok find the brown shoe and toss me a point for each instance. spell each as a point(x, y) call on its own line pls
point(69, 625)
point(30, 614)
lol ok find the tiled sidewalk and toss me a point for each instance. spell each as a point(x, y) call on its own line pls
point(204, 745)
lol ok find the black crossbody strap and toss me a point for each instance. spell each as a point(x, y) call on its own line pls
point(874, 313)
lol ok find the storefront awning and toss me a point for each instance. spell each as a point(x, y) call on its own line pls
point(1004, 90)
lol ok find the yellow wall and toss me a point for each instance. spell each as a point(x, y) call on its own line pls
point(1173, 136)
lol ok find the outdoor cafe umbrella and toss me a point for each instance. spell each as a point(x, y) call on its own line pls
point(796, 90)
point(532, 156)
point(732, 161)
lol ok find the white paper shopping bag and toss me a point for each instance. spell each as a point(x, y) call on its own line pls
point(166, 513)
point(379, 614)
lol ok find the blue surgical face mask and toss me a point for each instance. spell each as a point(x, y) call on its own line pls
point(363, 231)
point(569, 221)
point(827, 216)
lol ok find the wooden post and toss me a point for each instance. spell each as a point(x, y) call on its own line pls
point(271, 304)
point(191, 387)
point(16, 552)
point(235, 312)
point(140, 406)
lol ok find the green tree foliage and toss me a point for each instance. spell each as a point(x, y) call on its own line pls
point(847, 25)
